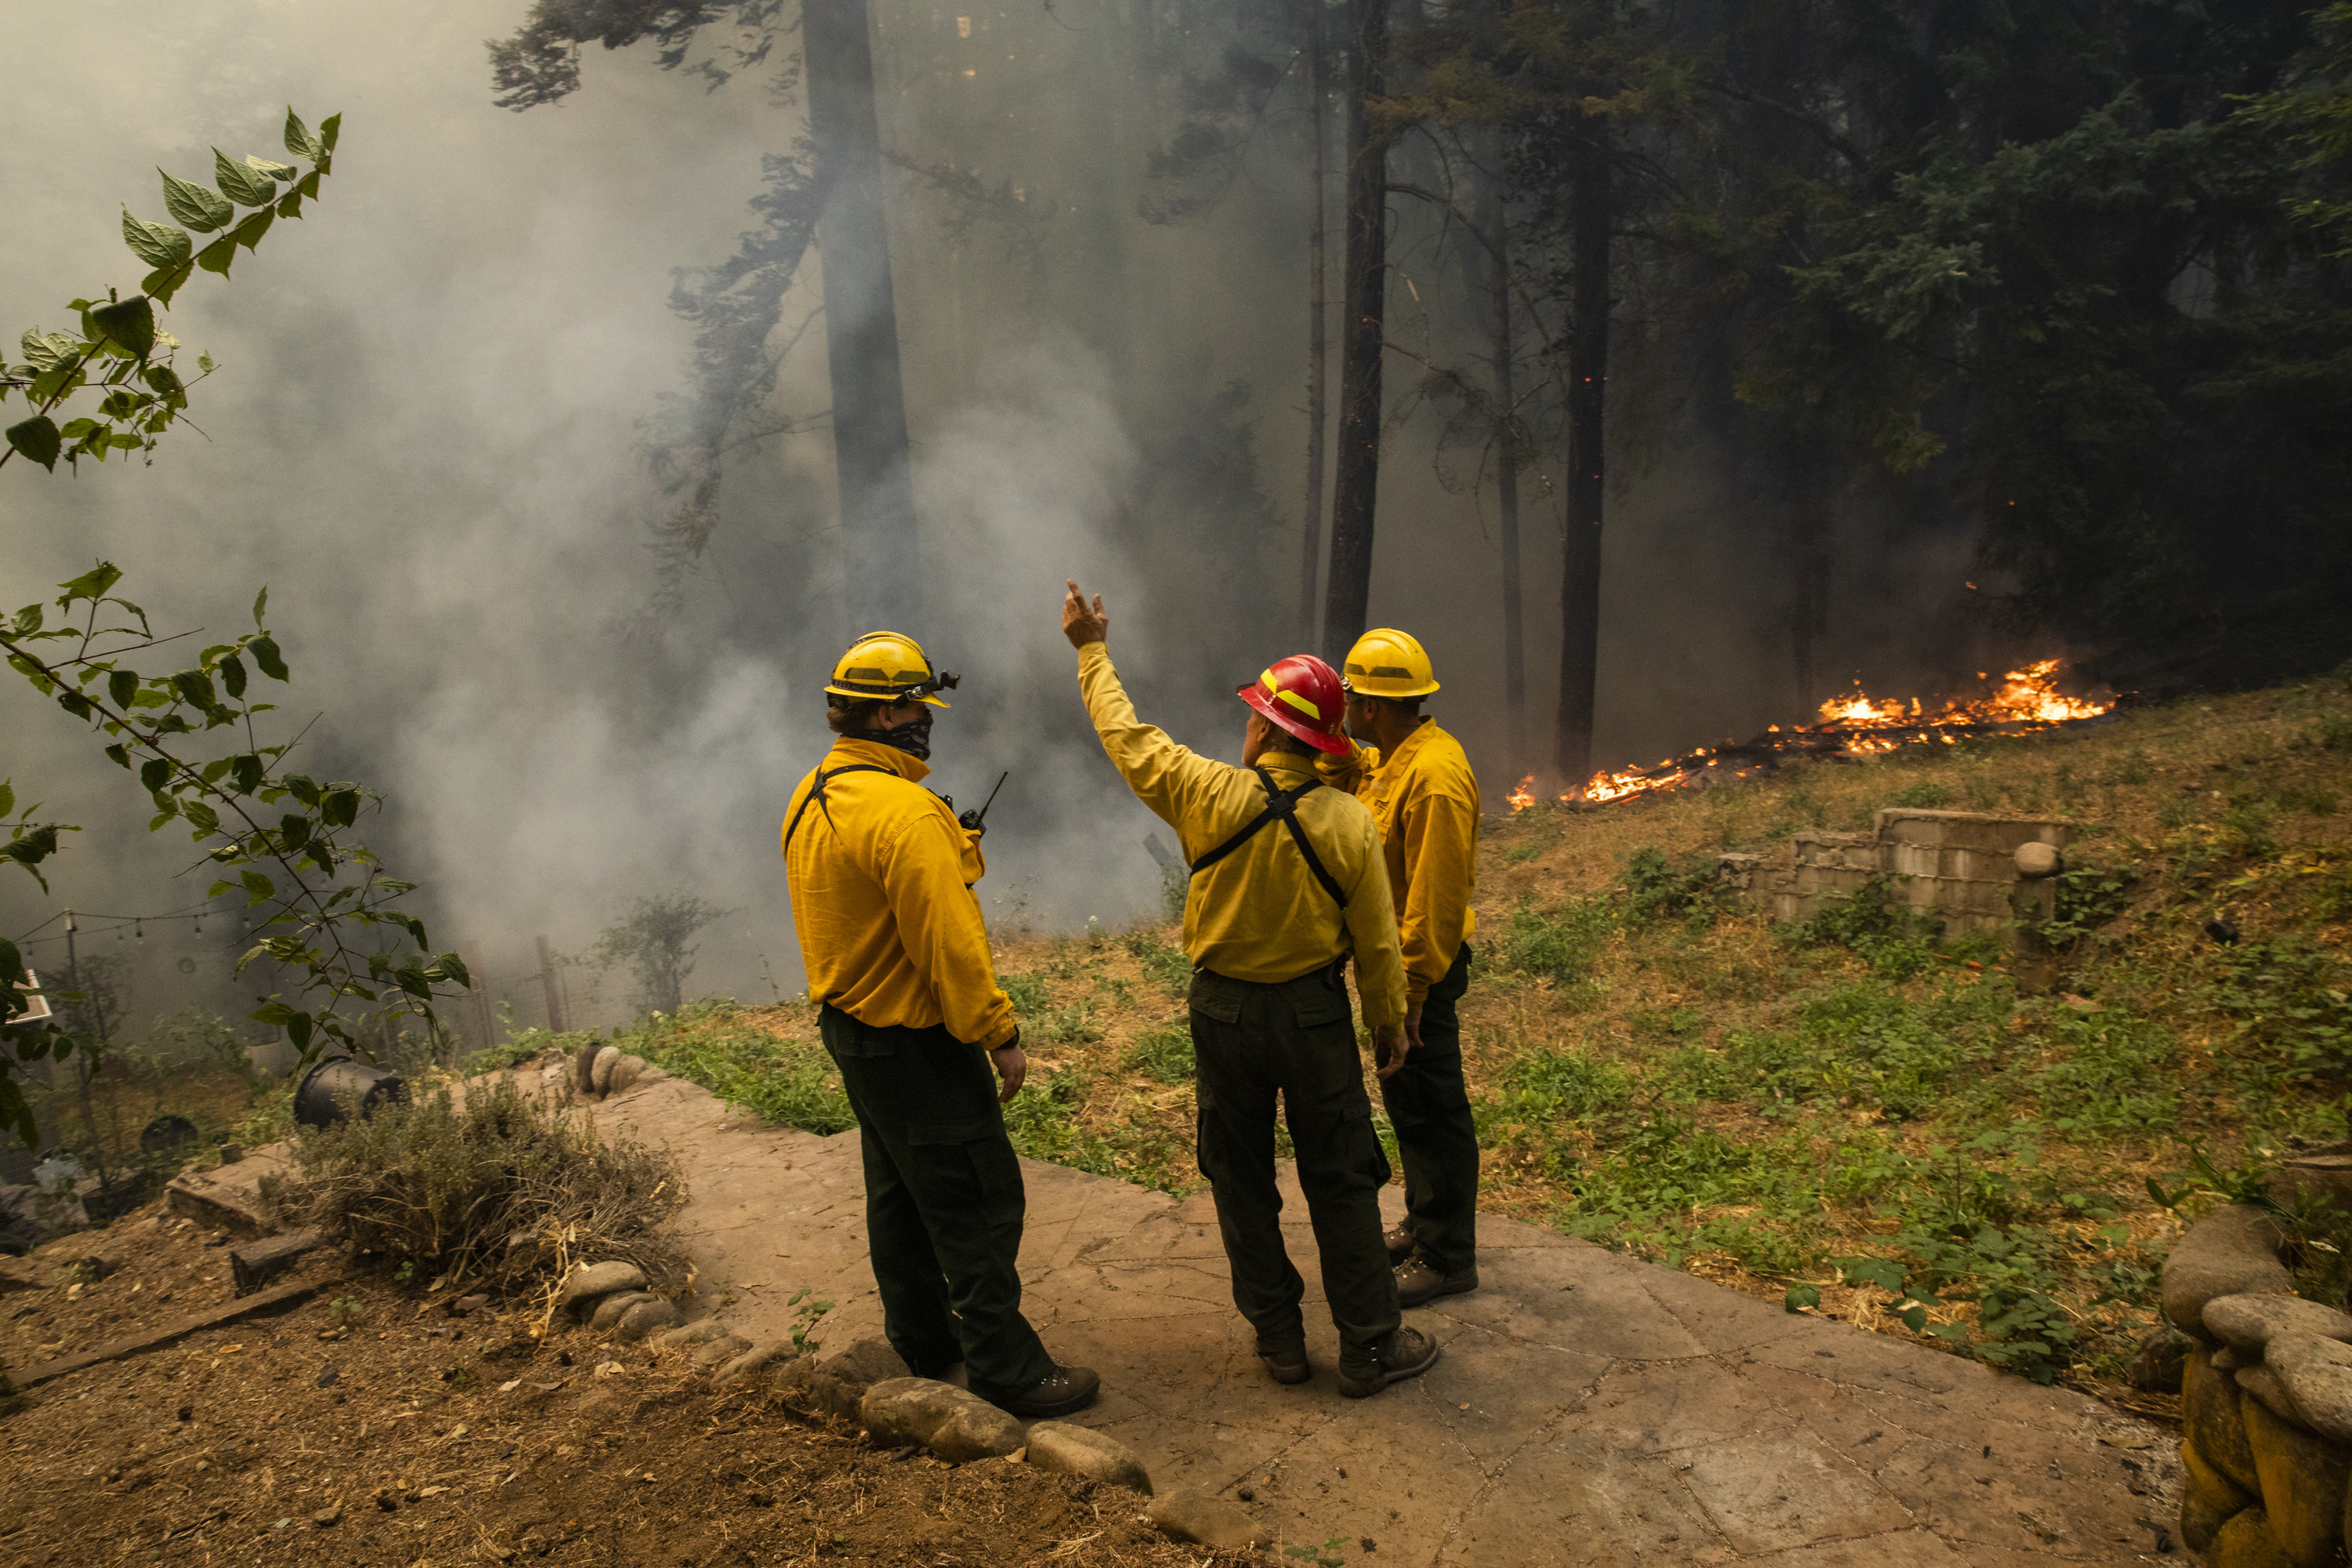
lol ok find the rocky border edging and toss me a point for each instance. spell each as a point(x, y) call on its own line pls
point(869, 1385)
point(2266, 1400)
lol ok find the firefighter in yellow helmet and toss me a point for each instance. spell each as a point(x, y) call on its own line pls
point(881, 872)
point(1420, 787)
point(1286, 886)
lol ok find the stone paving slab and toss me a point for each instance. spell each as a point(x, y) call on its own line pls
point(1590, 1408)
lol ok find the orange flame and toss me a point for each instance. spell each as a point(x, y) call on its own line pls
point(2025, 697)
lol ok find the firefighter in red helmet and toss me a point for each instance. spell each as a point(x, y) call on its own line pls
point(1287, 881)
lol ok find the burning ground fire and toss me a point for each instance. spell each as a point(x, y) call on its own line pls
point(2025, 701)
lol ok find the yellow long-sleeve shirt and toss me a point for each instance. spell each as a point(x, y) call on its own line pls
point(1258, 914)
point(881, 874)
point(1425, 799)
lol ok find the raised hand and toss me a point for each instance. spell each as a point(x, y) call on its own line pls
point(1080, 624)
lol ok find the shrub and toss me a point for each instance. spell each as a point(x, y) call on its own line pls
point(1560, 946)
point(1026, 991)
point(1657, 889)
point(501, 1190)
point(1163, 1052)
point(1925, 796)
point(1894, 941)
point(784, 1082)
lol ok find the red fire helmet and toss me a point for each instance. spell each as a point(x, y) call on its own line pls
point(1303, 695)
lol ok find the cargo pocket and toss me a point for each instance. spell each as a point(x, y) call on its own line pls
point(1347, 1161)
point(1317, 1006)
point(1212, 999)
point(962, 1164)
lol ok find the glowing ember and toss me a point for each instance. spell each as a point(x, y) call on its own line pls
point(1858, 725)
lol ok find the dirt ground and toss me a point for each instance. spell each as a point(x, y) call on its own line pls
point(368, 1425)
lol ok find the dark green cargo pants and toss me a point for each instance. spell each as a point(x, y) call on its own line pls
point(943, 1203)
point(1429, 1106)
point(1296, 1039)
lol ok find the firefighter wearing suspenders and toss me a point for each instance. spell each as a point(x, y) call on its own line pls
point(1287, 881)
point(881, 872)
point(1418, 782)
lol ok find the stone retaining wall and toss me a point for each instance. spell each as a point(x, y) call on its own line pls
point(2266, 1400)
point(1973, 868)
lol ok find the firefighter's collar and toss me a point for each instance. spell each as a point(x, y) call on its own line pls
point(848, 749)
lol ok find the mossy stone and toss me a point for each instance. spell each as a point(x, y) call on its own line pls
point(2246, 1543)
point(2303, 1476)
point(2209, 1499)
point(2209, 1404)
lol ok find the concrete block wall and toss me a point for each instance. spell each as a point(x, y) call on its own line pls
point(1960, 865)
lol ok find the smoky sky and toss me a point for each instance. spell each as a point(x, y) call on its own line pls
point(423, 438)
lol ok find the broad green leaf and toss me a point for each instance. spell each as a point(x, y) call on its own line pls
point(328, 129)
point(248, 770)
point(298, 140)
point(275, 171)
point(216, 256)
point(256, 886)
point(246, 187)
point(232, 672)
point(260, 603)
point(248, 232)
point(195, 687)
point(199, 207)
point(130, 324)
point(450, 965)
point(341, 808)
point(265, 654)
point(291, 205)
point(154, 772)
point(7, 797)
point(91, 584)
point(123, 685)
point(165, 281)
point(156, 244)
point(37, 438)
point(201, 817)
point(1798, 1297)
point(48, 351)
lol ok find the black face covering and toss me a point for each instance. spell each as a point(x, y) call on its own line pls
point(914, 738)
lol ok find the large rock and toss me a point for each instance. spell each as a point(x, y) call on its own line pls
point(726, 1347)
point(625, 1074)
point(1188, 1515)
point(2233, 1251)
point(2208, 1409)
point(700, 1331)
point(2321, 1175)
point(2209, 1499)
point(1082, 1451)
point(591, 1280)
point(2317, 1375)
point(751, 1362)
point(583, 1064)
point(955, 1424)
point(2258, 1385)
point(2246, 1543)
point(2302, 1479)
point(863, 1364)
point(616, 1306)
point(600, 1071)
point(643, 1318)
point(2247, 1323)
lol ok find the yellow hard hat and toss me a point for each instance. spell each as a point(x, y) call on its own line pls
point(1386, 663)
point(889, 666)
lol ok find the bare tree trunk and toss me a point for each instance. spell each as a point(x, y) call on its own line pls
point(1318, 350)
point(1587, 370)
point(1356, 489)
point(884, 582)
point(1492, 220)
point(1809, 612)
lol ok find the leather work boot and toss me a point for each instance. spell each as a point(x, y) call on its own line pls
point(1402, 1241)
point(1286, 1359)
point(1407, 1353)
point(1062, 1392)
point(1418, 1283)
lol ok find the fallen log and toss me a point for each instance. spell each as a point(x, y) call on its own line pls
point(178, 1329)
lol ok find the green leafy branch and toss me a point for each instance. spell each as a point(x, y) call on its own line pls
point(280, 833)
point(117, 345)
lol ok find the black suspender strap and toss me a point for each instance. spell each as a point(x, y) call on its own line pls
point(816, 793)
point(1282, 804)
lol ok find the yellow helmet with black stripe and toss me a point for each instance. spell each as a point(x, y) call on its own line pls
point(889, 666)
point(1388, 663)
